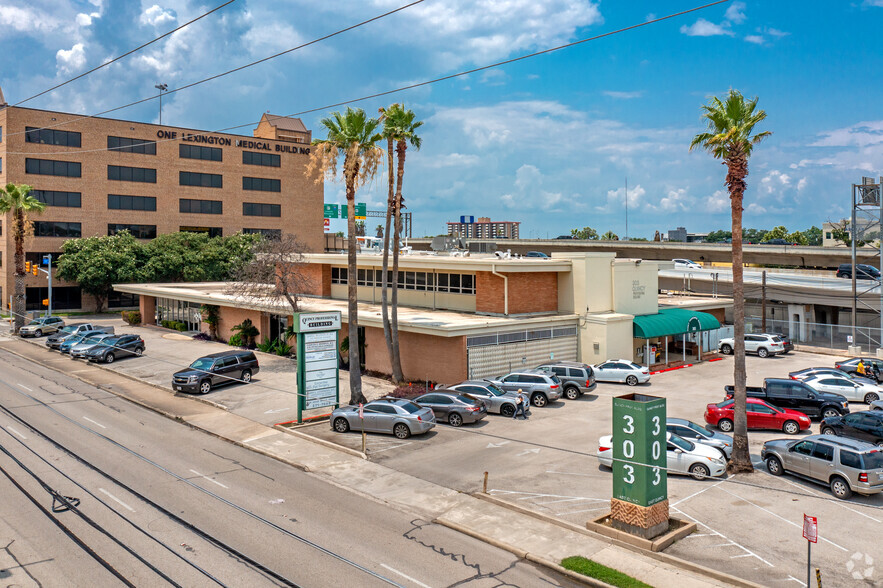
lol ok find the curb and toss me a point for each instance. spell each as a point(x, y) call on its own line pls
point(326, 443)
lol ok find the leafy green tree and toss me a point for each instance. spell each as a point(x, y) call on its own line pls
point(730, 136)
point(718, 236)
point(585, 233)
point(610, 236)
point(17, 199)
point(638, 239)
point(196, 257)
point(753, 235)
point(96, 263)
point(813, 236)
point(779, 232)
point(840, 232)
point(797, 237)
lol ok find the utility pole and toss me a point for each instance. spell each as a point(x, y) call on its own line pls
point(763, 301)
point(626, 209)
point(162, 88)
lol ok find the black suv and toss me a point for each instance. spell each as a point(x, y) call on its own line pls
point(216, 369)
point(797, 396)
point(866, 425)
point(862, 271)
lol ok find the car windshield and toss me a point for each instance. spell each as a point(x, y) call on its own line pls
point(411, 407)
point(492, 388)
point(203, 363)
point(93, 339)
point(724, 404)
point(466, 399)
point(873, 460)
point(682, 443)
point(68, 329)
point(699, 429)
point(34, 323)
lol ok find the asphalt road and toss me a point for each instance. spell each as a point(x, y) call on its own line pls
point(749, 525)
point(301, 528)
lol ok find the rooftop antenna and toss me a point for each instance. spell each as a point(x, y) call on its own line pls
point(626, 208)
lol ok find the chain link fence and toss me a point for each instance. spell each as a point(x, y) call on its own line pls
point(822, 335)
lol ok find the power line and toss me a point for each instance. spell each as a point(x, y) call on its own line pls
point(126, 54)
point(416, 85)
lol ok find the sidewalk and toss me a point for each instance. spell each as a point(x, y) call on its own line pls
point(529, 537)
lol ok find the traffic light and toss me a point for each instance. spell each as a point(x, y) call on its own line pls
point(35, 269)
point(45, 302)
point(27, 267)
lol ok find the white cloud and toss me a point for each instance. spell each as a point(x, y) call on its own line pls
point(779, 34)
point(802, 184)
point(494, 77)
point(774, 183)
point(158, 16)
point(735, 12)
point(84, 20)
point(756, 39)
point(860, 134)
point(676, 201)
point(755, 208)
point(624, 95)
point(718, 202)
point(27, 20)
point(616, 199)
point(451, 160)
point(70, 60)
point(704, 28)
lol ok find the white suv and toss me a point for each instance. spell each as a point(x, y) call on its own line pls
point(762, 345)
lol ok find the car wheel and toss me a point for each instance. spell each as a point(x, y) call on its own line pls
point(138, 351)
point(726, 350)
point(539, 400)
point(401, 431)
point(871, 397)
point(830, 412)
point(507, 410)
point(699, 471)
point(205, 387)
point(879, 443)
point(725, 425)
point(109, 358)
point(762, 352)
point(341, 425)
point(840, 488)
point(828, 431)
point(791, 427)
point(455, 420)
point(774, 466)
point(38, 333)
point(572, 392)
point(632, 381)
point(246, 377)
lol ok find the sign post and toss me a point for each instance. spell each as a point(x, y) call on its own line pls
point(640, 493)
point(318, 382)
point(811, 534)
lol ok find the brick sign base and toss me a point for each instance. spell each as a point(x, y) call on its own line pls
point(644, 521)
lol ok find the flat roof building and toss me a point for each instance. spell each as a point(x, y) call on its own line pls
point(99, 176)
point(483, 228)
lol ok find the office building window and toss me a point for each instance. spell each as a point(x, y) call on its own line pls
point(123, 202)
point(57, 229)
point(63, 298)
point(50, 167)
point(54, 198)
point(256, 209)
point(198, 179)
point(211, 231)
point(197, 152)
point(262, 184)
point(52, 137)
point(338, 275)
point(137, 231)
point(122, 300)
point(266, 233)
point(131, 174)
point(127, 145)
point(201, 206)
point(265, 159)
point(1, 165)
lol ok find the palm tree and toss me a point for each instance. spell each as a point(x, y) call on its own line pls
point(730, 137)
point(351, 134)
point(17, 199)
point(399, 126)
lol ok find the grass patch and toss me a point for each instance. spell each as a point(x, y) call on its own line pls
point(587, 567)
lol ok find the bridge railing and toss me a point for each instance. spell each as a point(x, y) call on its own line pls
point(821, 335)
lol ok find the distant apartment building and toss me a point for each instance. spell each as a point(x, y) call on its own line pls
point(868, 230)
point(682, 236)
point(483, 228)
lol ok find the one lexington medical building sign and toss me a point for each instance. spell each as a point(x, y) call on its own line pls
point(318, 384)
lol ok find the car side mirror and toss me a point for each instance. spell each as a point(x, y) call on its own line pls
point(678, 450)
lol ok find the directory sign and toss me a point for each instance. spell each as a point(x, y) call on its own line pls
point(639, 449)
point(317, 361)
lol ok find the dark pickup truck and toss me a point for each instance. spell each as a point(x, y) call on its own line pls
point(797, 396)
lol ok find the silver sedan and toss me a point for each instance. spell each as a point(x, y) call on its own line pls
point(397, 416)
point(496, 399)
point(699, 434)
point(622, 370)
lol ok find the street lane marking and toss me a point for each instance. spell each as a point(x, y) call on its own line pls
point(16, 432)
point(409, 578)
point(275, 410)
point(114, 498)
point(25, 387)
point(210, 480)
point(500, 444)
point(526, 451)
point(94, 422)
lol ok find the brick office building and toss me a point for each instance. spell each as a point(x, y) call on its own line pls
point(99, 176)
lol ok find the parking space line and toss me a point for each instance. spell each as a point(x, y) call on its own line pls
point(387, 448)
point(537, 495)
point(824, 497)
point(696, 493)
point(561, 500)
point(731, 542)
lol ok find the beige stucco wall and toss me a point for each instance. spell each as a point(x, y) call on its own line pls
point(588, 287)
point(635, 287)
point(612, 332)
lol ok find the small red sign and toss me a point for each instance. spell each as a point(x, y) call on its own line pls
point(810, 528)
point(361, 412)
point(327, 224)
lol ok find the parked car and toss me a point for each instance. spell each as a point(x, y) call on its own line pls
point(115, 346)
point(761, 415)
point(42, 326)
point(216, 369)
point(69, 342)
point(681, 456)
point(787, 344)
point(862, 271)
point(762, 345)
point(686, 264)
point(55, 340)
point(576, 378)
point(856, 391)
point(496, 399)
point(535, 254)
point(540, 386)
point(452, 407)
point(698, 434)
point(78, 350)
point(851, 365)
point(775, 242)
point(866, 425)
point(396, 416)
point(564, 237)
point(797, 396)
point(877, 405)
point(844, 465)
point(622, 370)
point(826, 371)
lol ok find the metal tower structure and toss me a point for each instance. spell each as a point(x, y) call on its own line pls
point(865, 225)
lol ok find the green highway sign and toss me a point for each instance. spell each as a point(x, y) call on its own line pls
point(639, 449)
point(361, 209)
point(332, 211)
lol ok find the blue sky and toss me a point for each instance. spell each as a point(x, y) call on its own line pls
point(548, 141)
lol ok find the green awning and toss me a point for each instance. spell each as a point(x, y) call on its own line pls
point(673, 321)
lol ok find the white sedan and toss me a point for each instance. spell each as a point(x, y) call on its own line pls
point(854, 390)
point(686, 264)
point(682, 457)
point(621, 370)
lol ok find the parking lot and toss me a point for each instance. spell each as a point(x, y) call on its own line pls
point(749, 525)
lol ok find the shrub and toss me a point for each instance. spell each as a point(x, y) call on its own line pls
point(202, 337)
point(587, 567)
point(166, 324)
point(180, 326)
point(283, 348)
point(267, 346)
point(408, 391)
point(132, 317)
point(236, 340)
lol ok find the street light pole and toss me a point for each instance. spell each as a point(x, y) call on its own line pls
point(162, 88)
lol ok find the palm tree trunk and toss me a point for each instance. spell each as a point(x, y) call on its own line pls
point(737, 169)
point(384, 303)
point(356, 396)
point(397, 372)
point(18, 299)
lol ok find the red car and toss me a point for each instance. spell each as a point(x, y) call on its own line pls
point(761, 415)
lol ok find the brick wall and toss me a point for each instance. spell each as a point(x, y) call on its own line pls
point(438, 359)
point(230, 317)
point(147, 307)
point(528, 292)
point(317, 279)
